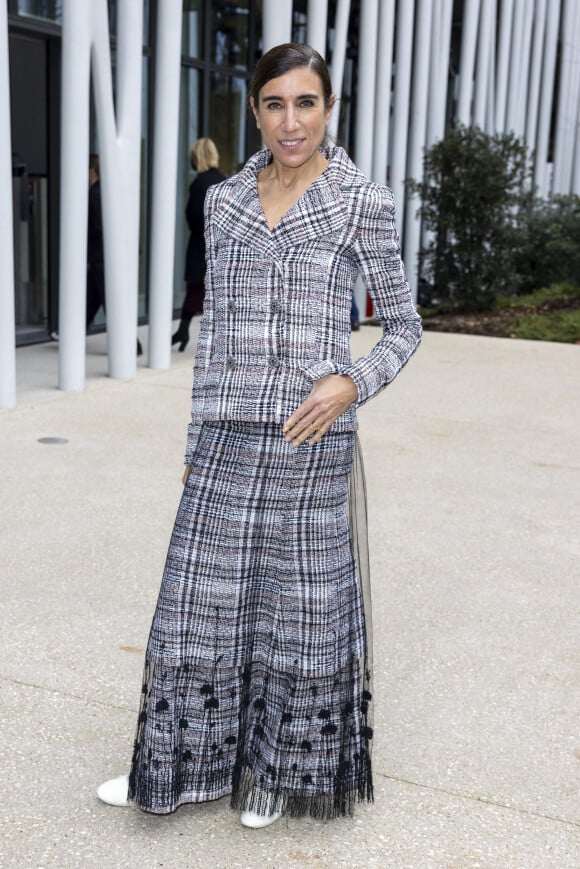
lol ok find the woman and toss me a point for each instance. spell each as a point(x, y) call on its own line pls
point(257, 674)
point(205, 161)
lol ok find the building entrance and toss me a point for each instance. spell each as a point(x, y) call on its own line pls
point(30, 92)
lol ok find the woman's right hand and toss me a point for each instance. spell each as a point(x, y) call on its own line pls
point(186, 474)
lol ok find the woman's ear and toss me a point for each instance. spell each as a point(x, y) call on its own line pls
point(331, 104)
point(255, 111)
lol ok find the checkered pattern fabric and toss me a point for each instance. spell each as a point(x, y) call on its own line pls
point(277, 305)
point(255, 669)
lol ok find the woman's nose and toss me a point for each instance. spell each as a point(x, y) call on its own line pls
point(290, 118)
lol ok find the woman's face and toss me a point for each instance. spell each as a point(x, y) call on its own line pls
point(292, 116)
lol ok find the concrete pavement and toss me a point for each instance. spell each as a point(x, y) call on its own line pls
point(473, 471)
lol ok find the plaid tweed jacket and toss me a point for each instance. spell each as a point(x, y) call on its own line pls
point(277, 302)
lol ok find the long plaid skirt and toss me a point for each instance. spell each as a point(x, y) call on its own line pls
point(256, 676)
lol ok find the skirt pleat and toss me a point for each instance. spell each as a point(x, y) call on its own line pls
point(257, 677)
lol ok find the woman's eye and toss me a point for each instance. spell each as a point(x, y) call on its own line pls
point(306, 104)
point(274, 106)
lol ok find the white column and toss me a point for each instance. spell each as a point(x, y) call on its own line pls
point(338, 56)
point(567, 117)
point(86, 37)
point(120, 180)
point(503, 61)
point(439, 72)
point(535, 73)
point(523, 85)
point(546, 97)
point(514, 78)
point(382, 109)
point(417, 133)
point(165, 148)
point(490, 102)
point(403, 61)
point(316, 26)
point(7, 325)
point(467, 62)
point(484, 48)
point(74, 180)
point(276, 23)
point(367, 65)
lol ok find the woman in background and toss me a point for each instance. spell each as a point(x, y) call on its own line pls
point(205, 161)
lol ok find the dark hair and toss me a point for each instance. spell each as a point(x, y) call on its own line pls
point(94, 164)
point(283, 58)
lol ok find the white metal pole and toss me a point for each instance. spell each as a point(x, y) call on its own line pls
point(382, 112)
point(7, 324)
point(503, 61)
point(546, 97)
point(417, 133)
point(566, 120)
point(276, 23)
point(74, 181)
point(439, 74)
point(535, 73)
point(121, 188)
point(316, 26)
point(484, 47)
point(514, 78)
point(366, 86)
point(338, 57)
point(403, 61)
point(165, 147)
point(490, 102)
point(467, 62)
point(524, 73)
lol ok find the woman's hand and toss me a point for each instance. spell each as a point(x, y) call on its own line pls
point(186, 473)
point(329, 398)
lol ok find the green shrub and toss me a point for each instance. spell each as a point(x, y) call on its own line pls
point(549, 250)
point(475, 190)
point(556, 326)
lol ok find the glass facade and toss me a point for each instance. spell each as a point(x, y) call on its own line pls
point(221, 40)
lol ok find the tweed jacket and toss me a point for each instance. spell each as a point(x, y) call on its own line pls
point(277, 302)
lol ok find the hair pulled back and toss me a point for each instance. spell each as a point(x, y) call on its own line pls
point(283, 58)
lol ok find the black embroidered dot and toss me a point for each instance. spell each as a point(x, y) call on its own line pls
point(260, 703)
point(348, 709)
point(367, 732)
point(328, 729)
point(162, 706)
point(271, 771)
point(324, 713)
point(212, 703)
point(258, 731)
point(286, 718)
point(364, 707)
point(230, 740)
point(183, 723)
point(143, 718)
point(186, 756)
point(367, 695)
point(307, 779)
point(206, 689)
point(214, 746)
point(306, 745)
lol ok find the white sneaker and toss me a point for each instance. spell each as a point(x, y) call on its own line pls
point(115, 791)
point(256, 821)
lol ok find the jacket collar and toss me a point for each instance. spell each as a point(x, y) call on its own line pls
point(320, 211)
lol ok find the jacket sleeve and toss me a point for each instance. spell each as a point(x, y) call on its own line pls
point(204, 344)
point(377, 251)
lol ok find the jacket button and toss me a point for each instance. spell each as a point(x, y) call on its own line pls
point(231, 306)
point(273, 361)
point(230, 362)
point(276, 307)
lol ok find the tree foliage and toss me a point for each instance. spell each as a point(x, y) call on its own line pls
point(475, 193)
point(549, 250)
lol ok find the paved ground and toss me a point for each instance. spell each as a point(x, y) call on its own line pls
point(473, 471)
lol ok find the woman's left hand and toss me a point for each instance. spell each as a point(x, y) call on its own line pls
point(329, 398)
